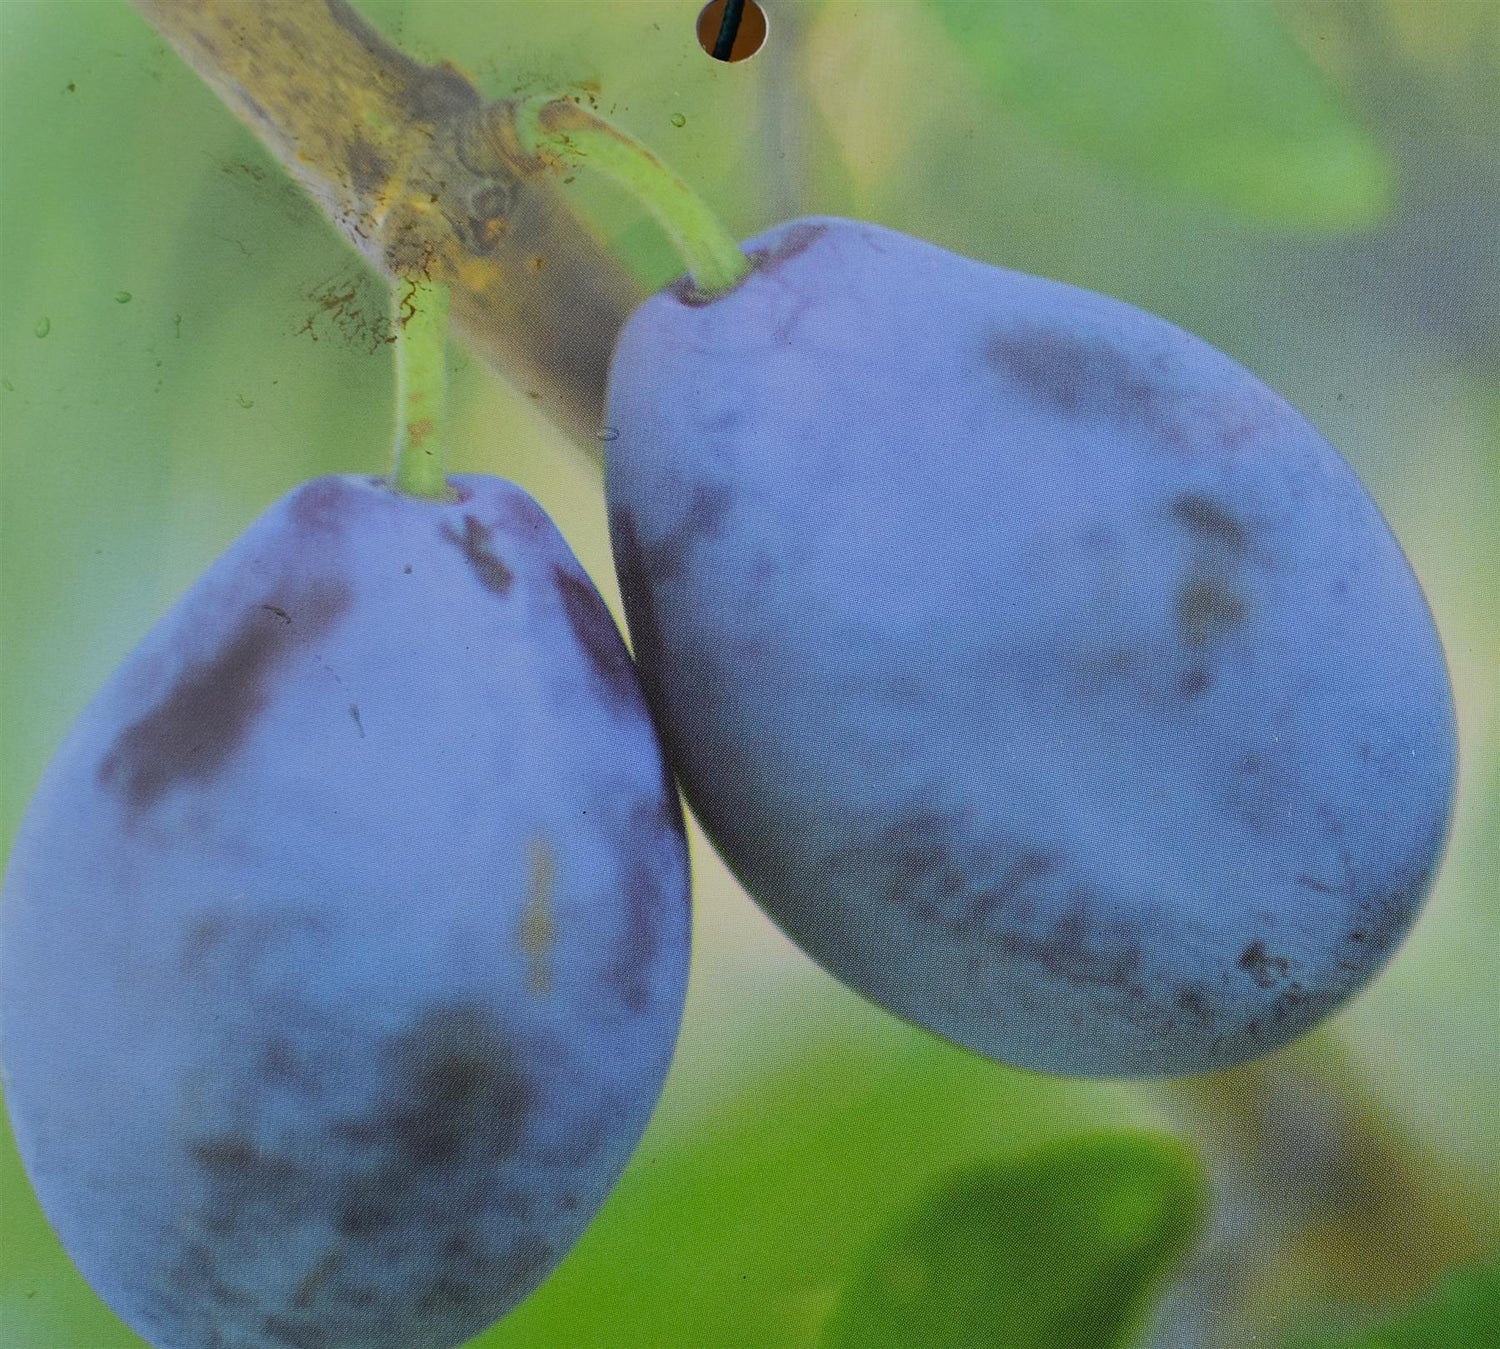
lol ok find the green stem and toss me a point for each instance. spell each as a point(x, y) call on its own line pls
point(559, 128)
point(421, 388)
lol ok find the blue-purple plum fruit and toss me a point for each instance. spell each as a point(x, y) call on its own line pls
point(1044, 674)
point(344, 945)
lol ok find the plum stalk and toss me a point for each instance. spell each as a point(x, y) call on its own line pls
point(564, 133)
point(421, 389)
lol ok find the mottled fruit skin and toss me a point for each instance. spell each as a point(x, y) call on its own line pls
point(344, 945)
point(1046, 676)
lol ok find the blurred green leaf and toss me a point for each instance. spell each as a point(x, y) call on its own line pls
point(1464, 1313)
point(1215, 97)
point(1060, 1249)
point(735, 1227)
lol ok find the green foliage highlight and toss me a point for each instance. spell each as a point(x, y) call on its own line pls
point(1213, 97)
point(1463, 1313)
point(1061, 1249)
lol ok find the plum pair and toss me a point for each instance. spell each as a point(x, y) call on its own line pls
point(1041, 672)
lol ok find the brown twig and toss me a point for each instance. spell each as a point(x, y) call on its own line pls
point(405, 158)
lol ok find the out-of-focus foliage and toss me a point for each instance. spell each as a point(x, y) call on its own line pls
point(1464, 1313)
point(140, 435)
point(739, 1224)
point(1059, 1249)
point(1213, 97)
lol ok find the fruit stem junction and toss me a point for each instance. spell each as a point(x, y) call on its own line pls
point(564, 134)
point(421, 388)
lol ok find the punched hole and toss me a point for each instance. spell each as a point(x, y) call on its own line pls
point(731, 30)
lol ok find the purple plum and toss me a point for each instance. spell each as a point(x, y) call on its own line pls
point(1043, 674)
point(344, 946)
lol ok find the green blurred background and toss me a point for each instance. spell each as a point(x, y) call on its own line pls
point(1313, 187)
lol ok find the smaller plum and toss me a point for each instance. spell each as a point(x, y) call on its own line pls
point(344, 945)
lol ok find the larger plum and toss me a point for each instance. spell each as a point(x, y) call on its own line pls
point(344, 945)
point(1046, 676)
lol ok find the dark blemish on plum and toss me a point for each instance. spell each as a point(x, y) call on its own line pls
point(933, 881)
point(202, 938)
point(640, 605)
point(1014, 889)
point(708, 507)
point(456, 1095)
point(1322, 887)
point(1195, 1002)
point(595, 629)
point(583, 1140)
point(786, 325)
point(278, 611)
point(465, 1292)
point(793, 242)
point(1288, 1001)
point(364, 1207)
point(1210, 522)
point(195, 1278)
point(213, 705)
point(1075, 378)
point(929, 878)
point(1264, 969)
point(280, 1065)
point(630, 971)
point(1098, 671)
point(425, 1171)
point(358, 724)
point(1195, 683)
point(239, 941)
point(248, 1188)
point(368, 169)
point(235, 1156)
point(1206, 609)
point(1387, 918)
point(519, 513)
point(1073, 952)
point(294, 1334)
point(487, 567)
point(1100, 539)
point(940, 879)
point(320, 506)
point(446, 1293)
